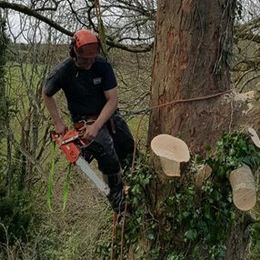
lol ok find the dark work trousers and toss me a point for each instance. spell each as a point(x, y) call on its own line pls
point(113, 149)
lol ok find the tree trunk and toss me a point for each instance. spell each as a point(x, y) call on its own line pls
point(190, 61)
point(3, 101)
point(191, 54)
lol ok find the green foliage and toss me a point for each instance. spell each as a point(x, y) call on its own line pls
point(66, 187)
point(51, 181)
point(189, 223)
point(255, 243)
point(174, 256)
point(51, 178)
point(198, 216)
point(232, 151)
point(3, 100)
point(15, 217)
point(15, 209)
point(138, 180)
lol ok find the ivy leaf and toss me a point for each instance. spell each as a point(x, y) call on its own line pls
point(151, 236)
point(191, 234)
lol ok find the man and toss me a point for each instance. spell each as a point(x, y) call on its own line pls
point(90, 87)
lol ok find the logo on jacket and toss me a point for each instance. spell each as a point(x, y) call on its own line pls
point(97, 81)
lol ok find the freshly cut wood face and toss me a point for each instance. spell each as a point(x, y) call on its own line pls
point(254, 136)
point(243, 188)
point(170, 147)
point(171, 151)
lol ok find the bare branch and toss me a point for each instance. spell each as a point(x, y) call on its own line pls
point(26, 10)
point(248, 36)
point(75, 13)
point(253, 24)
point(246, 31)
point(129, 48)
point(49, 8)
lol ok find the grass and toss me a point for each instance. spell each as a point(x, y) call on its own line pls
point(86, 221)
point(139, 128)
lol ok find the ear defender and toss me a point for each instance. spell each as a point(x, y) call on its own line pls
point(71, 48)
point(99, 45)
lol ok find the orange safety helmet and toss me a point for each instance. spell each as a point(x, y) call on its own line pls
point(85, 44)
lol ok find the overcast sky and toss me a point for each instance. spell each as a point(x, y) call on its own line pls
point(23, 28)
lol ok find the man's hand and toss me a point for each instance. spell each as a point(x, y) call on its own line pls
point(89, 132)
point(60, 128)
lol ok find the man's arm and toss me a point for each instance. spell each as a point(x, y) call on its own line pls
point(109, 108)
point(107, 111)
point(51, 105)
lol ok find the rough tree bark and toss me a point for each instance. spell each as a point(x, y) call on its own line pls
point(191, 54)
point(190, 61)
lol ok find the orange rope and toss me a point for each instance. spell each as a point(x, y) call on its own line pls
point(173, 102)
point(190, 99)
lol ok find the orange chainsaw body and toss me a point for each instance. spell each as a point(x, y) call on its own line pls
point(71, 145)
point(67, 144)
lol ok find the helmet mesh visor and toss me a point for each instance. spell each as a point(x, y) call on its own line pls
point(87, 51)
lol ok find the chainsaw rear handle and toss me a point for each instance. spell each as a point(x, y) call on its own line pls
point(67, 145)
point(70, 143)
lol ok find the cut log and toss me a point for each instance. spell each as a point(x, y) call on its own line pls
point(171, 151)
point(243, 188)
point(254, 137)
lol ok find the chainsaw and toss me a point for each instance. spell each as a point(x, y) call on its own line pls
point(71, 146)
